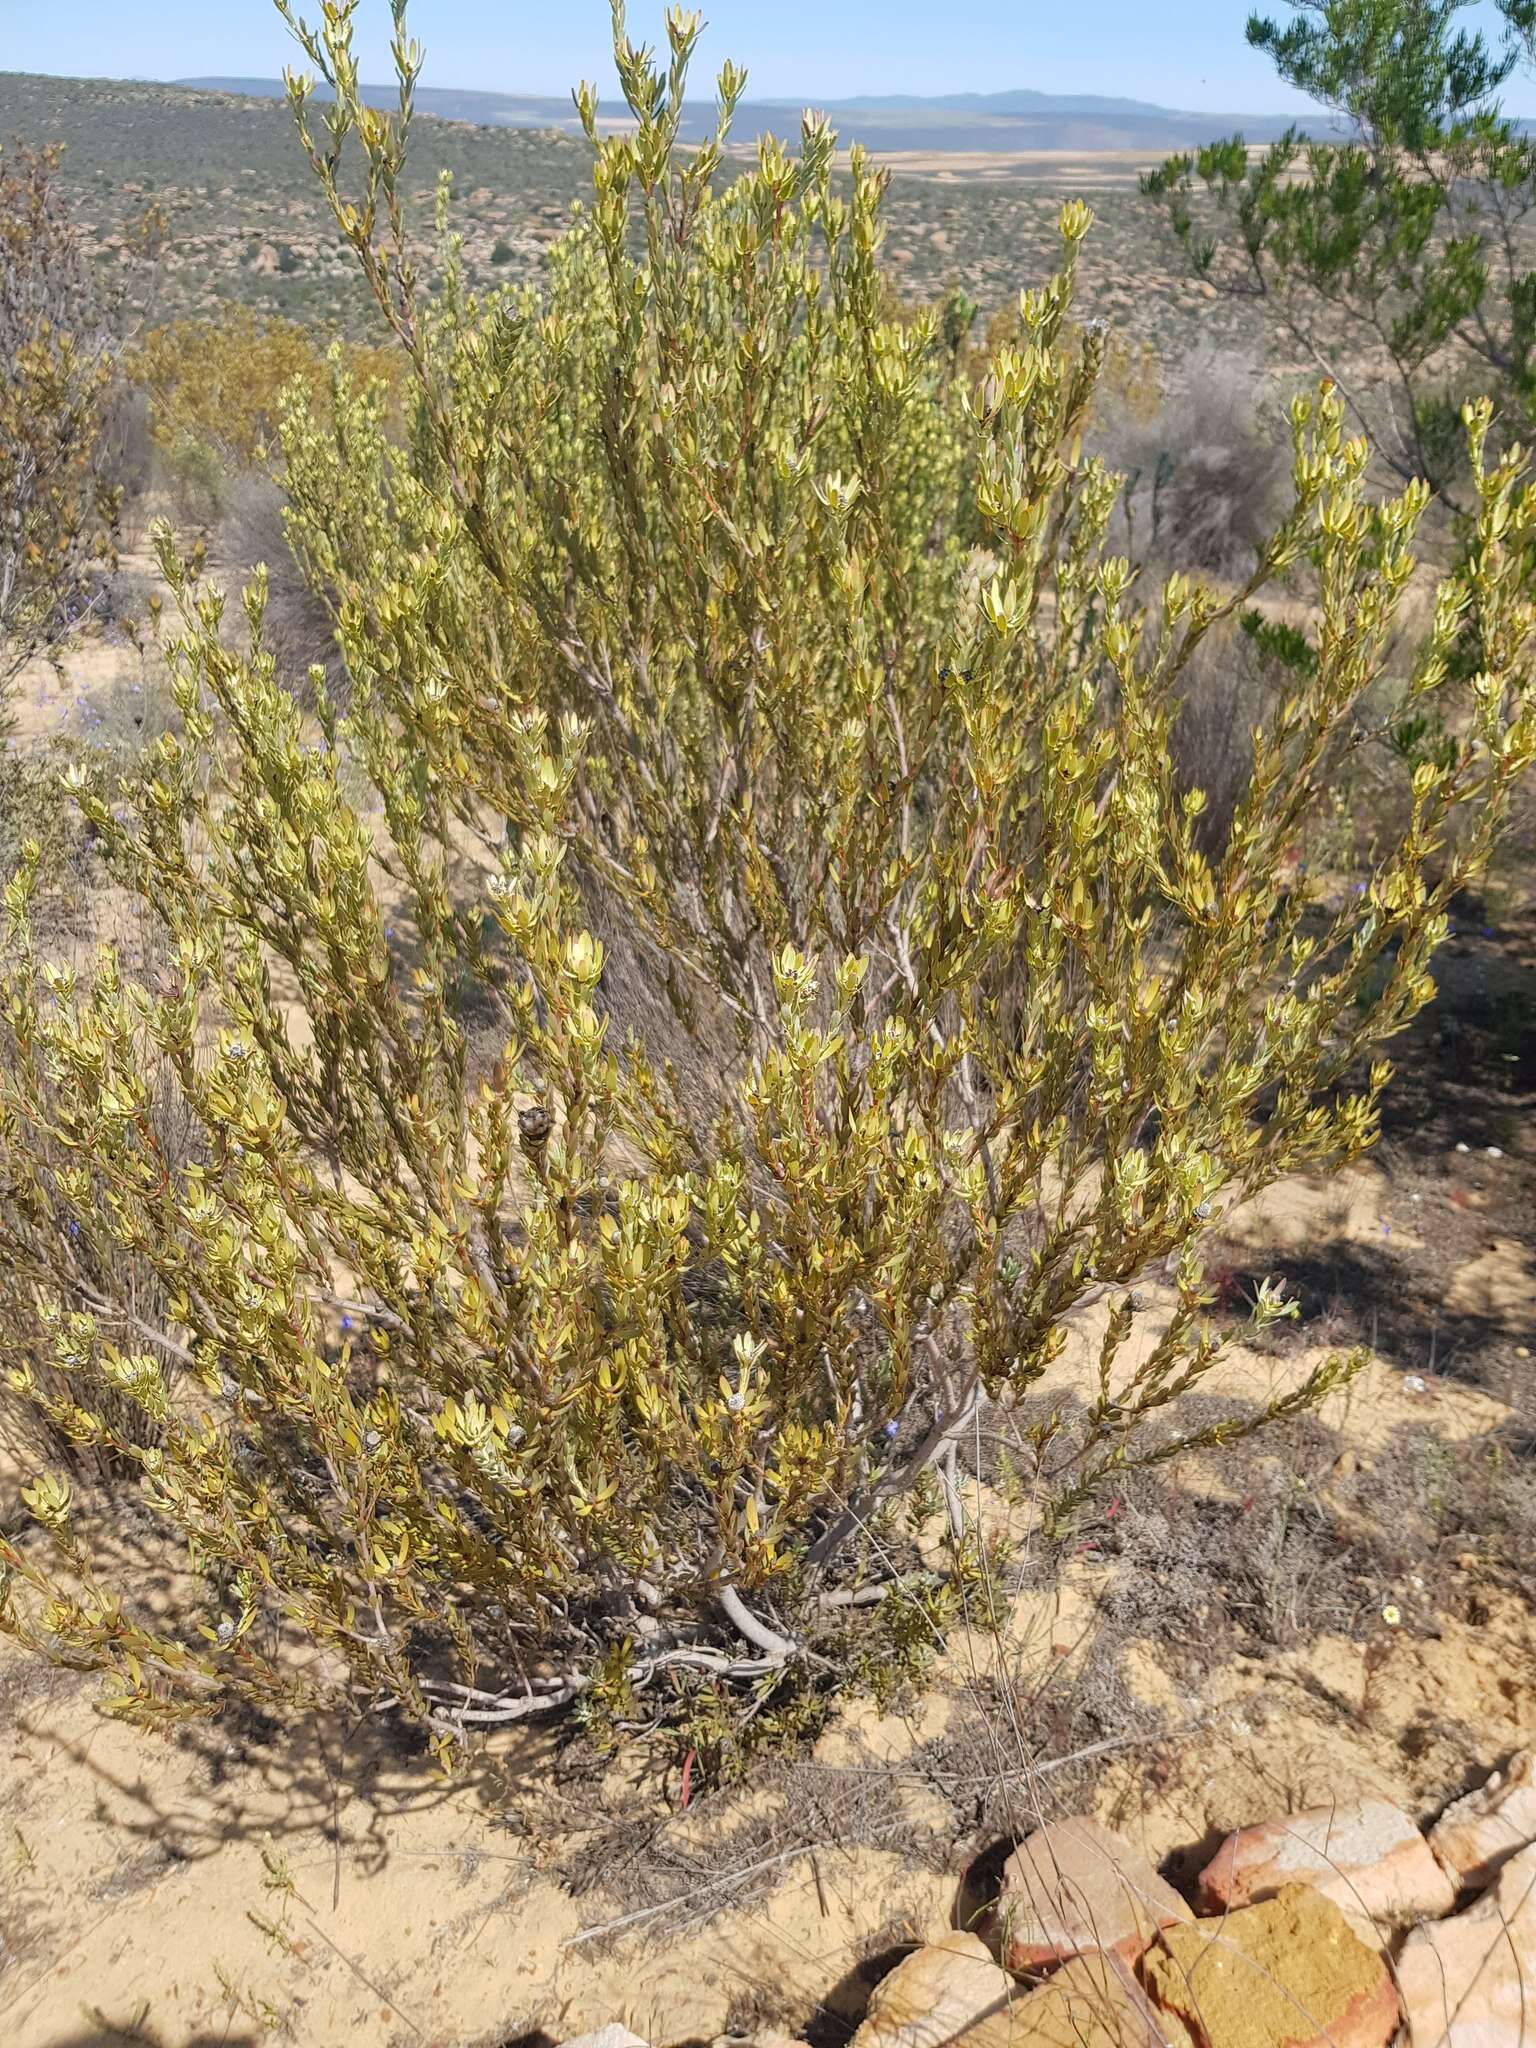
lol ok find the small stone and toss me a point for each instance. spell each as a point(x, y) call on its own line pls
point(1291, 1973)
point(614, 2035)
point(1495, 1151)
point(935, 1994)
point(1368, 1858)
point(1463, 1148)
point(1470, 1982)
point(1075, 1886)
point(1477, 1836)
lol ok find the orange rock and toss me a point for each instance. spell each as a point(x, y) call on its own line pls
point(1075, 1886)
point(1477, 1836)
point(1470, 1982)
point(1367, 1857)
point(1290, 1973)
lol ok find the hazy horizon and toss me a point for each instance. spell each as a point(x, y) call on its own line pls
point(1189, 56)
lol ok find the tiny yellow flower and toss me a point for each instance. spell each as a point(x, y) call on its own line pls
point(1391, 1615)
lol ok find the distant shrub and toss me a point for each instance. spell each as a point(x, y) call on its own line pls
point(709, 600)
point(298, 623)
point(58, 509)
point(1232, 686)
point(194, 475)
point(218, 384)
point(127, 458)
point(1207, 475)
point(503, 252)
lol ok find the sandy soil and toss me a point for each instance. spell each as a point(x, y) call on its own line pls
point(1063, 170)
point(201, 1891)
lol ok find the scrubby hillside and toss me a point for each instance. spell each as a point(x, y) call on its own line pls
point(193, 198)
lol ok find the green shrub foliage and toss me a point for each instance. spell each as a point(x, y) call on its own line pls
point(1399, 253)
point(719, 652)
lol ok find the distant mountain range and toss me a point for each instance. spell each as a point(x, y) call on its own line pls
point(967, 121)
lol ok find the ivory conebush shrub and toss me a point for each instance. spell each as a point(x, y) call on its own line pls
point(500, 1367)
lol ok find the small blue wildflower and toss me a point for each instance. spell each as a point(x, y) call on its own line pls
point(892, 1429)
point(346, 1322)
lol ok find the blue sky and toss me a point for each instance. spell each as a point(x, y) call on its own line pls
point(1186, 53)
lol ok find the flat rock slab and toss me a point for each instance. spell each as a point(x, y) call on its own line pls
point(1076, 1886)
point(1477, 1836)
point(1367, 1857)
point(1290, 1973)
point(936, 1994)
point(1094, 2001)
point(1470, 1982)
